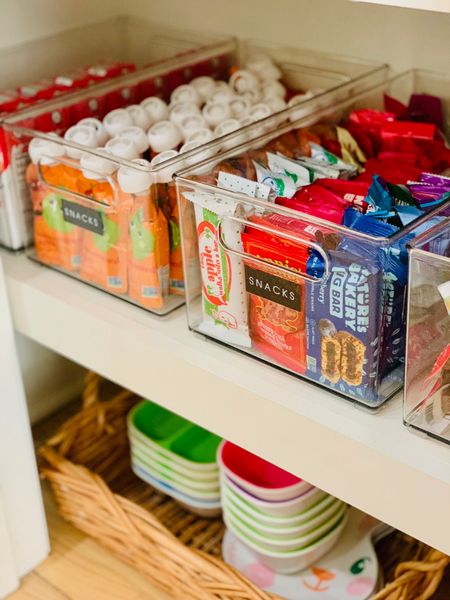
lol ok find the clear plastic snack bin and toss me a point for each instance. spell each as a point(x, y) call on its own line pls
point(123, 236)
point(58, 60)
point(341, 326)
point(427, 381)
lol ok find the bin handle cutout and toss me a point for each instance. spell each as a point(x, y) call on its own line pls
point(88, 199)
point(266, 263)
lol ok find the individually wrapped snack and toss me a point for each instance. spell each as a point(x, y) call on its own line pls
point(148, 243)
point(238, 165)
point(276, 298)
point(283, 185)
point(224, 301)
point(350, 150)
point(322, 155)
point(398, 173)
point(281, 164)
point(57, 239)
point(436, 179)
point(379, 198)
point(408, 214)
point(104, 246)
point(354, 192)
point(343, 325)
point(425, 107)
point(370, 119)
point(317, 201)
point(163, 195)
point(393, 130)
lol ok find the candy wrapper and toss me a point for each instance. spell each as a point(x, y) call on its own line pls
point(317, 201)
point(354, 192)
point(282, 184)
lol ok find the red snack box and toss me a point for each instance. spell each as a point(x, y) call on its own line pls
point(408, 129)
point(109, 69)
point(39, 90)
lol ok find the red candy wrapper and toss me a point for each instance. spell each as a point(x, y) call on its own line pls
point(423, 107)
point(317, 201)
point(371, 120)
point(353, 192)
point(397, 173)
point(9, 101)
point(391, 131)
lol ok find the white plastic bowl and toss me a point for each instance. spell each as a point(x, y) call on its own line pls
point(293, 562)
point(274, 492)
point(189, 491)
point(285, 508)
point(281, 531)
point(187, 483)
point(280, 544)
point(136, 434)
point(168, 462)
point(269, 520)
point(203, 509)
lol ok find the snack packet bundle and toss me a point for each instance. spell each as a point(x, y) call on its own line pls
point(341, 316)
point(277, 321)
point(127, 254)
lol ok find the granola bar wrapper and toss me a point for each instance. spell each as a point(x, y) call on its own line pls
point(343, 326)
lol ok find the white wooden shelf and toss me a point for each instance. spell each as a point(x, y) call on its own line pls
point(370, 460)
point(433, 5)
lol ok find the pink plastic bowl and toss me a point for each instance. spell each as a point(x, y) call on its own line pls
point(257, 476)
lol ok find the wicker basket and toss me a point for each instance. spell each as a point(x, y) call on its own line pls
point(87, 464)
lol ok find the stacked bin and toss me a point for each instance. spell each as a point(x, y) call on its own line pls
point(341, 326)
point(143, 45)
point(140, 218)
point(427, 380)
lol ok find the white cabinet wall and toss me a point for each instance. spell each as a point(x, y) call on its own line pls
point(404, 38)
point(401, 37)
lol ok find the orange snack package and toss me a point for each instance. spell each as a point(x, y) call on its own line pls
point(148, 242)
point(57, 240)
point(105, 236)
point(166, 199)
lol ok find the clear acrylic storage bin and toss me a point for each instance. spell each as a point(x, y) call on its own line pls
point(135, 41)
point(427, 380)
point(343, 327)
point(141, 260)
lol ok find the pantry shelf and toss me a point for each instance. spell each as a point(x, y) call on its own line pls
point(369, 460)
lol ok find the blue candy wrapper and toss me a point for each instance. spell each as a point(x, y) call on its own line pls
point(379, 198)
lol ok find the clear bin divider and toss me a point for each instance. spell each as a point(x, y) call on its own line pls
point(281, 234)
point(84, 197)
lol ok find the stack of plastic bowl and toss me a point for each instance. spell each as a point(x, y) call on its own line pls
point(286, 522)
point(176, 457)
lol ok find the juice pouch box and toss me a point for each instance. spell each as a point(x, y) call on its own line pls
point(57, 241)
point(105, 224)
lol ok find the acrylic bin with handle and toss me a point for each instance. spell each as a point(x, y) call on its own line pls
point(344, 329)
point(140, 42)
point(129, 263)
point(427, 378)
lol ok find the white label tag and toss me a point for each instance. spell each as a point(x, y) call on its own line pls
point(235, 183)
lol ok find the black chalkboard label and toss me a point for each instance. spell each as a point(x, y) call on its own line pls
point(271, 287)
point(84, 217)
